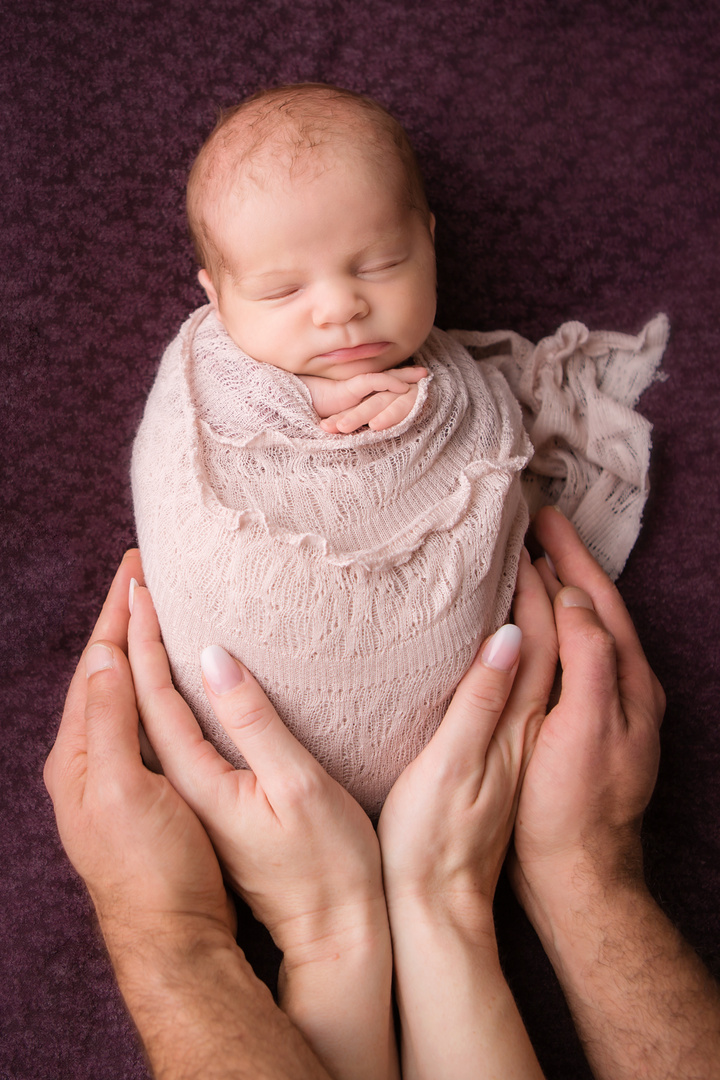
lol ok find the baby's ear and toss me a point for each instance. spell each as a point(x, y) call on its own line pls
point(206, 282)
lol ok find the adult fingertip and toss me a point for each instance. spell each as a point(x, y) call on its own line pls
point(571, 596)
point(222, 672)
point(99, 657)
point(503, 648)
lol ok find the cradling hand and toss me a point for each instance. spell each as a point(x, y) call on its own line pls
point(595, 762)
point(447, 822)
point(293, 843)
point(145, 858)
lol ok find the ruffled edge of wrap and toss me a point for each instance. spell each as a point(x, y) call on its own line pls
point(442, 516)
point(578, 390)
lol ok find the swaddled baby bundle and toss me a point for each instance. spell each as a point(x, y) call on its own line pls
point(356, 575)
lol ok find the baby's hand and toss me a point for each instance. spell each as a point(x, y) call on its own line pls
point(380, 399)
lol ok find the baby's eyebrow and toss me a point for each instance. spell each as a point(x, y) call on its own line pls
point(260, 277)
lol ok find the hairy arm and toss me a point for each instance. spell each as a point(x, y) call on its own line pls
point(644, 1005)
point(202, 1014)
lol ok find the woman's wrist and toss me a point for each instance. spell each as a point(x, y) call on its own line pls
point(336, 987)
point(324, 933)
point(463, 913)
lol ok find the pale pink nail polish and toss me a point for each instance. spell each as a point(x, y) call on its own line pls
point(503, 648)
point(221, 672)
point(131, 594)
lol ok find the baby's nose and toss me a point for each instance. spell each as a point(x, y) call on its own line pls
point(339, 303)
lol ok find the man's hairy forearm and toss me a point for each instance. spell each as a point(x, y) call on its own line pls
point(202, 1014)
point(644, 1005)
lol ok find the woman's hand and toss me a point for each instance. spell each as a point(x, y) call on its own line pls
point(447, 822)
point(444, 832)
point(293, 843)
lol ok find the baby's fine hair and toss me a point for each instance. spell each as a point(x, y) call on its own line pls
point(290, 122)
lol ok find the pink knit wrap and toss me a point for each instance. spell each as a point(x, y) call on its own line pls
point(355, 575)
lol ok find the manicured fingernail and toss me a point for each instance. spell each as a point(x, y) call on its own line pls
point(503, 648)
point(551, 564)
point(98, 658)
point(572, 597)
point(131, 594)
point(220, 670)
point(525, 554)
point(556, 507)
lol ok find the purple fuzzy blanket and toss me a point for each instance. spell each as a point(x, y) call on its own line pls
point(572, 159)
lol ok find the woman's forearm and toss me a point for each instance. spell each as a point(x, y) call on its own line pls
point(459, 1019)
point(338, 991)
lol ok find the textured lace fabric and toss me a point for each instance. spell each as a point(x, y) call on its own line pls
point(356, 575)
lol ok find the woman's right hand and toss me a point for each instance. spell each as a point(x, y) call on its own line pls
point(292, 842)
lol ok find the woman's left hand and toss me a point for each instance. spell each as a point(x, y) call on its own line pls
point(447, 822)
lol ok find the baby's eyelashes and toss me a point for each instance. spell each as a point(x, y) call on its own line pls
point(281, 294)
point(378, 269)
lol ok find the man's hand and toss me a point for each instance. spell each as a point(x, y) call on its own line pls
point(642, 1002)
point(379, 400)
point(293, 843)
point(145, 858)
point(595, 763)
point(156, 883)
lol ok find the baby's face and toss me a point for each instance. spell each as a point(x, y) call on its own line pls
point(330, 275)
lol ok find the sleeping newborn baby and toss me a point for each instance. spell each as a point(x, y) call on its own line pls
point(326, 485)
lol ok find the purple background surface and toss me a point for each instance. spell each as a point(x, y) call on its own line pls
point(571, 156)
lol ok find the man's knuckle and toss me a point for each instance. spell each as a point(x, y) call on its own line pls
point(99, 708)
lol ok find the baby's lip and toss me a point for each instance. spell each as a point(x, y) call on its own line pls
point(356, 352)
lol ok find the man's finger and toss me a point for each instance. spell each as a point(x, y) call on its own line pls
point(111, 626)
point(112, 622)
point(575, 566)
point(588, 658)
point(111, 716)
